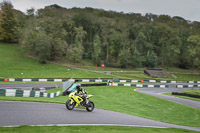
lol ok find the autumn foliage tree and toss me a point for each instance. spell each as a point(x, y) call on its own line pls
point(8, 23)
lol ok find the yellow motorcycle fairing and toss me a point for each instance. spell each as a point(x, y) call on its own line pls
point(75, 98)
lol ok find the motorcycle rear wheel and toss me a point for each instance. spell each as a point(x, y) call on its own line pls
point(70, 106)
point(90, 106)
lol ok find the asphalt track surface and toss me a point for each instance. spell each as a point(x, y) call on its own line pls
point(32, 113)
point(157, 92)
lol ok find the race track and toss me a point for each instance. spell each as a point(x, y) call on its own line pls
point(157, 93)
point(14, 113)
point(32, 113)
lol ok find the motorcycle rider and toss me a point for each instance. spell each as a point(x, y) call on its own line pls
point(81, 91)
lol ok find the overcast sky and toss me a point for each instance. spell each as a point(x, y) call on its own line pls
point(188, 9)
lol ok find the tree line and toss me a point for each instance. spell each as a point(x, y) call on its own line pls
point(115, 39)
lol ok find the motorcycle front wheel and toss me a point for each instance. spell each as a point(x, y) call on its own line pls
point(90, 106)
point(70, 106)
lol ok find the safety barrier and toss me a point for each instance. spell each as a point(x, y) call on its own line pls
point(94, 80)
point(187, 86)
point(156, 81)
point(26, 93)
point(186, 94)
point(139, 85)
point(54, 80)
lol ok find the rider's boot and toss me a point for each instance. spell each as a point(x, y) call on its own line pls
point(87, 101)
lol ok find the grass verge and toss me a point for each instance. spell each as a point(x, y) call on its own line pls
point(187, 77)
point(90, 129)
point(194, 91)
point(125, 100)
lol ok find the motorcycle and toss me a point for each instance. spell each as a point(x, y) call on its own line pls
point(76, 101)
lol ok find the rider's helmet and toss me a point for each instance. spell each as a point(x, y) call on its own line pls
point(78, 86)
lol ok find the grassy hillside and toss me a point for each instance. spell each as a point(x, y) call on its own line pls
point(14, 64)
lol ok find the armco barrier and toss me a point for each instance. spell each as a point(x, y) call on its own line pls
point(187, 86)
point(26, 93)
point(96, 80)
point(139, 85)
point(94, 84)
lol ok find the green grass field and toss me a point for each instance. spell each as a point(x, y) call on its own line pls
point(187, 77)
point(89, 129)
point(125, 100)
point(14, 64)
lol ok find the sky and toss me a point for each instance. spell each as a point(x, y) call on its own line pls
point(188, 9)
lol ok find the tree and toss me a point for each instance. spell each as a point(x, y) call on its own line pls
point(151, 60)
point(194, 50)
point(73, 54)
point(76, 50)
point(97, 50)
point(117, 39)
point(184, 33)
point(43, 47)
point(30, 12)
point(90, 26)
point(124, 57)
point(57, 35)
point(166, 44)
point(136, 59)
point(7, 22)
point(28, 36)
point(142, 45)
